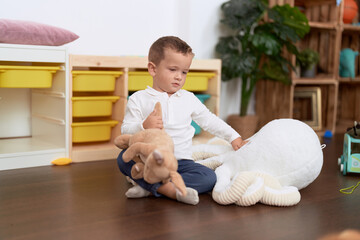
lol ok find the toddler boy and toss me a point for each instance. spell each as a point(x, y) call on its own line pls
point(169, 62)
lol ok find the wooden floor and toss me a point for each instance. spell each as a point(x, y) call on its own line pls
point(87, 201)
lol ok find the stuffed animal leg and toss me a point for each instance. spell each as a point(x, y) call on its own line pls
point(212, 154)
point(213, 147)
point(131, 153)
point(122, 141)
point(178, 182)
point(138, 149)
point(137, 170)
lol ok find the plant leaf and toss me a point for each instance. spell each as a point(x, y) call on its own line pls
point(290, 17)
point(266, 43)
point(240, 15)
point(255, 49)
point(277, 72)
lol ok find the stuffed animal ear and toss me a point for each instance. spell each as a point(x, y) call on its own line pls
point(158, 110)
point(178, 181)
point(158, 157)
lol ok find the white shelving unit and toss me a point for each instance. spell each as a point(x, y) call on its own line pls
point(43, 113)
point(35, 123)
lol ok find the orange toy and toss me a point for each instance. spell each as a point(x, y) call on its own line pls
point(350, 11)
point(62, 161)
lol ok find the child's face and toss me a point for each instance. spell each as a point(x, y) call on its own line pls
point(170, 74)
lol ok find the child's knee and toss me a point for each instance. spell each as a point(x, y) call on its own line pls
point(208, 181)
point(121, 164)
point(212, 178)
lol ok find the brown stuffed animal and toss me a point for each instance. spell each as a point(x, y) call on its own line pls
point(153, 152)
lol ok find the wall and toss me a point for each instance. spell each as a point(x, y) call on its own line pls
point(122, 27)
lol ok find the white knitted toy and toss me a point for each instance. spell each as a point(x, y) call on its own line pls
point(282, 158)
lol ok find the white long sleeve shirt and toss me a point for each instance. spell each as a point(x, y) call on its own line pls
point(178, 111)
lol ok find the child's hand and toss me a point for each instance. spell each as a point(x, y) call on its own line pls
point(238, 143)
point(153, 121)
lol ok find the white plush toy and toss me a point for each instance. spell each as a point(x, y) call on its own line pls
point(282, 158)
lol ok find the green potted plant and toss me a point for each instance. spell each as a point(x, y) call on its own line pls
point(307, 60)
point(255, 48)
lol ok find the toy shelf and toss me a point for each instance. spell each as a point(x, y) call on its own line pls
point(92, 136)
point(339, 96)
point(355, 80)
point(38, 136)
point(102, 150)
point(321, 25)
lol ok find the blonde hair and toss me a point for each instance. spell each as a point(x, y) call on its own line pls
point(157, 49)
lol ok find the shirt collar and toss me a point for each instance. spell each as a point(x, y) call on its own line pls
point(154, 92)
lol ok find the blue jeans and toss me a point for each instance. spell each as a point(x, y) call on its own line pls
point(195, 175)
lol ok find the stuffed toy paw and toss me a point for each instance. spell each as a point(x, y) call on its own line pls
point(279, 160)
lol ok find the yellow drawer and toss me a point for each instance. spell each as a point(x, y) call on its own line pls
point(139, 80)
point(195, 81)
point(94, 81)
point(93, 106)
point(26, 76)
point(92, 131)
